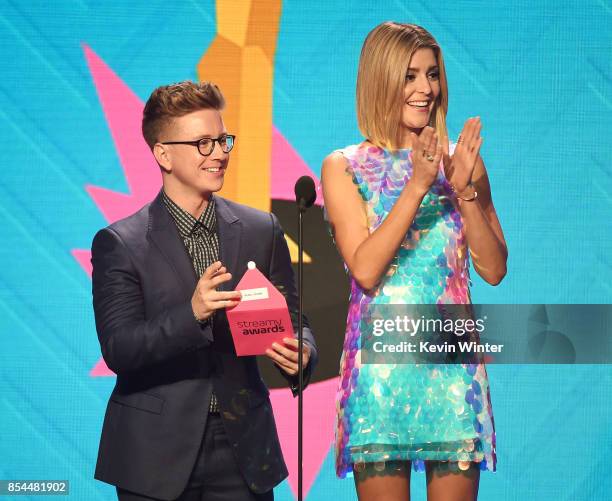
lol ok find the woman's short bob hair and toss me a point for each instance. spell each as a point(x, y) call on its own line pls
point(383, 64)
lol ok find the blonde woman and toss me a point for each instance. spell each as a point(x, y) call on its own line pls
point(405, 207)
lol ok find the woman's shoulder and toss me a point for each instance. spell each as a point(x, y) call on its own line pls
point(351, 159)
point(354, 153)
point(346, 150)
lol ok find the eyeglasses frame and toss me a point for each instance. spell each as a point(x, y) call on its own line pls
point(212, 139)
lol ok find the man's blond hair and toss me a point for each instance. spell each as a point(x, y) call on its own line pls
point(176, 100)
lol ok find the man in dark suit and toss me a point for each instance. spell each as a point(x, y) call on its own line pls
point(188, 419)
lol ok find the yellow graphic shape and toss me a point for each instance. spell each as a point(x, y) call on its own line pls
point(293, 251)
point(241, 61)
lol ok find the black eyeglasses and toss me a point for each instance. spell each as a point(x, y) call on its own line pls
point(206, 145)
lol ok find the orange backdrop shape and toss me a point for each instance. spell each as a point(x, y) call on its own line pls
point(241, 61)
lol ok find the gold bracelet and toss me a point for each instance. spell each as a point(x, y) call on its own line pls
point(470, 199)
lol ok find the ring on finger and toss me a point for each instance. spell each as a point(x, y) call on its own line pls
point(429, 157)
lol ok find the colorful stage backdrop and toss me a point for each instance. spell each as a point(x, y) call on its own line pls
point(75, 77)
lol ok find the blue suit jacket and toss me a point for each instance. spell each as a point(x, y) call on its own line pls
point(167, 364)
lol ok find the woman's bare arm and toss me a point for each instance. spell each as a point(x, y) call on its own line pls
point(484, 234)
point(368, 255)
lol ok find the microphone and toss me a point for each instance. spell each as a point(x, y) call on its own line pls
point(305, 193)
point(305, 196)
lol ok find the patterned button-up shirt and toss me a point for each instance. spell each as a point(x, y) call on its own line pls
point(201, 241)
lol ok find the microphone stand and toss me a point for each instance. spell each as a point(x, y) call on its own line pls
point(301, 210)
point(305, 196)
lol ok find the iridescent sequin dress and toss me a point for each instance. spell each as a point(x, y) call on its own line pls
point(409, 411)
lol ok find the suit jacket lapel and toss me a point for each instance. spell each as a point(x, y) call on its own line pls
point(164, 234)
point(230, 232)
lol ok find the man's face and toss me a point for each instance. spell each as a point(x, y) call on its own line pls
point(189, 171)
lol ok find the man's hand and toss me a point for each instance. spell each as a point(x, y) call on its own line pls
point(206, 299)
point(286, 357)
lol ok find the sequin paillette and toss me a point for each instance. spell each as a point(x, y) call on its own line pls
point(411, 412)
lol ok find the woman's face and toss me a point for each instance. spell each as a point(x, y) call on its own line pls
point(421, 90)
